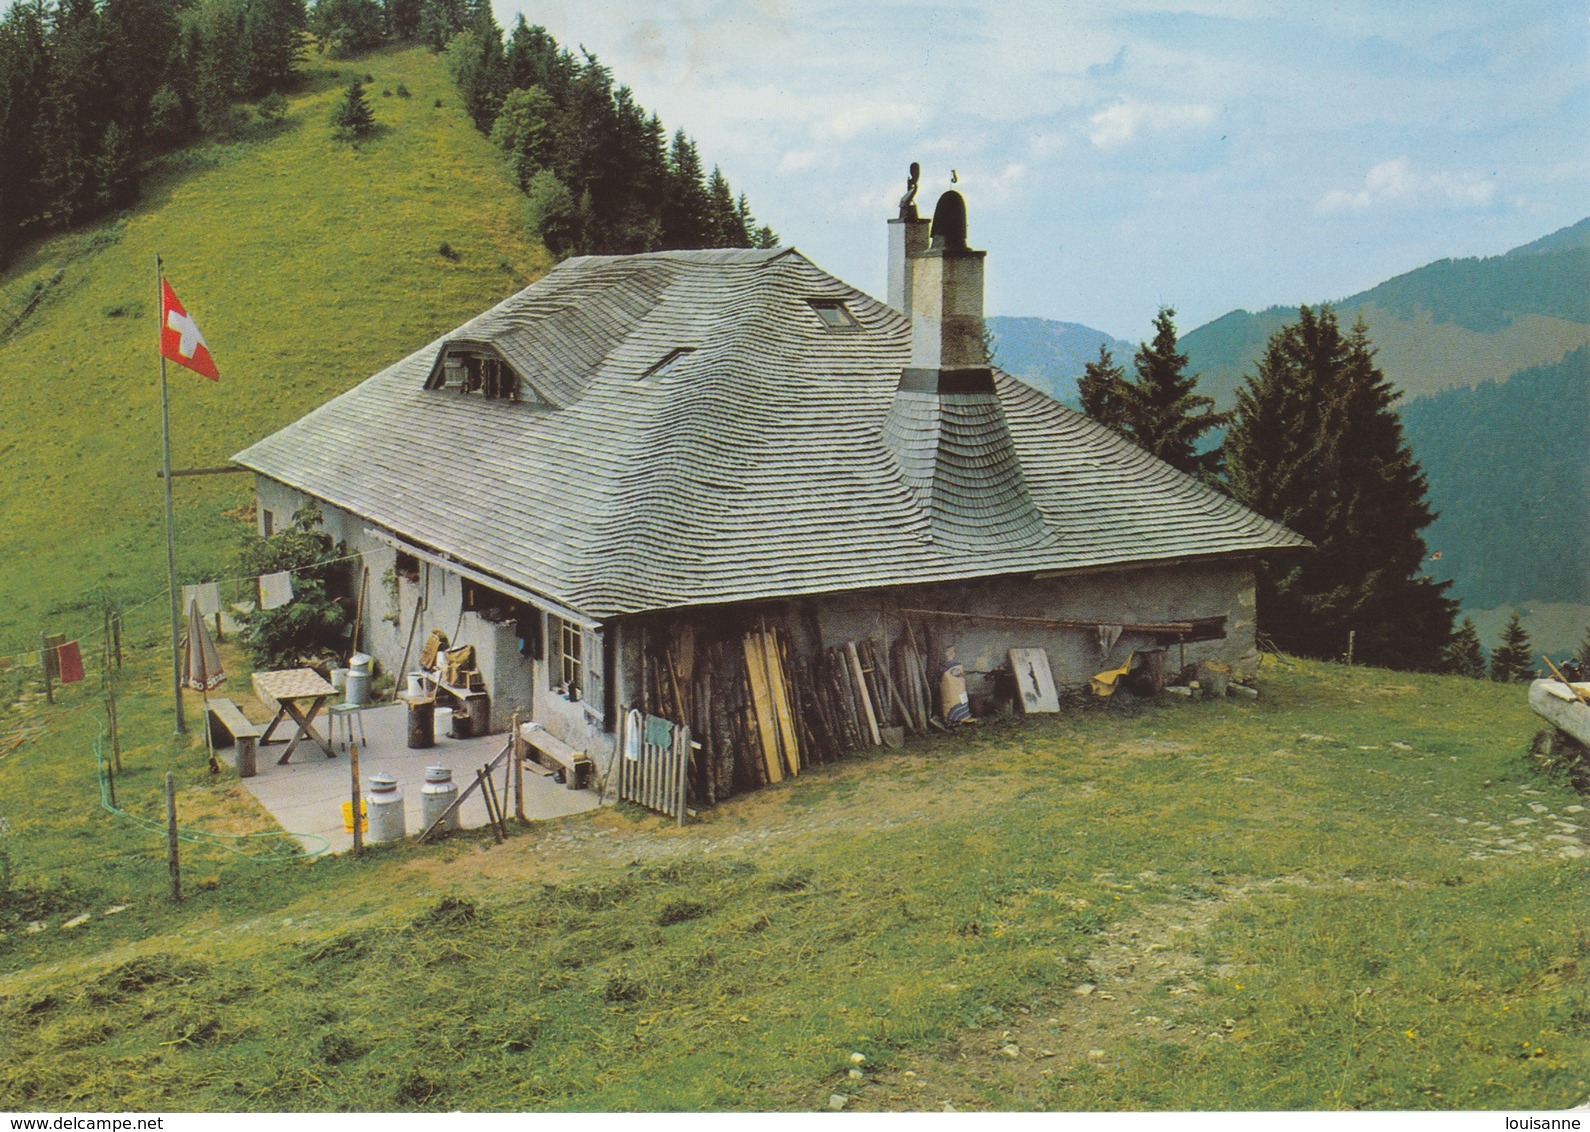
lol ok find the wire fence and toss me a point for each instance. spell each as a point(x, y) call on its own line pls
point(242, 844)
point(30, 657)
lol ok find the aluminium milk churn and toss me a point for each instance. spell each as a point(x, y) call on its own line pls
point(438, 793)
point(385, 809)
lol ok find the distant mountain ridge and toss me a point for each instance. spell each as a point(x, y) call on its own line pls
point(1452, 323)
point(1050, 355)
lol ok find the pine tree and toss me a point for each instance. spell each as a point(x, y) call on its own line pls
point(353, 117)
point(1465, 656)
point(524, 131)
point(348, 27)
point(270, 41)
point(687, 210)
point(728, 231)
point(1317, 445)
point(1103, 391)
point(1163, 414)
point(1511, 660)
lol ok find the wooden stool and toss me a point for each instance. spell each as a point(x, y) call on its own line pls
point(349, 714)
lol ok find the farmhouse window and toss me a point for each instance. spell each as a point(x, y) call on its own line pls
point(482, 373)
point(565, 656)
point(267, 523)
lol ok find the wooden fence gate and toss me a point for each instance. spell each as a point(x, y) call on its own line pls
point(654, 767)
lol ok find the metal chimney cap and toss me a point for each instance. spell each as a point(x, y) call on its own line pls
point(949, 223)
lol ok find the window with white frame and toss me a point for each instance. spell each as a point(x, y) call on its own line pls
point(565, 656)
point(575, 664)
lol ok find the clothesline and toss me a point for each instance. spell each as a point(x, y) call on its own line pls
point(28, 657)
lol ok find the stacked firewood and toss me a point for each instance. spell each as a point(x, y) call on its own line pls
point(759, 712)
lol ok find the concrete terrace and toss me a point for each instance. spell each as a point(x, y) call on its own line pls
point(306, 796)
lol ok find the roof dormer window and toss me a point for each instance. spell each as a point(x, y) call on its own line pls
point(834, 314)
point(480, 371)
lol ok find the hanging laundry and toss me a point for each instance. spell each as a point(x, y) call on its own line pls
point(659, 732)
point(275, 590)
point(207, 594)
point(51, 657)
point(69, 660)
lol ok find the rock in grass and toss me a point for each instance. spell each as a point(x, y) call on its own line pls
point(858, 1058)
point(1083, 989)
point(838, 1101)
point(75, 922)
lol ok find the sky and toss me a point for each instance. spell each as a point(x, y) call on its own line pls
point(1122, 155)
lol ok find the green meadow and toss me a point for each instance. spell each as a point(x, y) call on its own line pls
point(307, 263)
point(1355, 892)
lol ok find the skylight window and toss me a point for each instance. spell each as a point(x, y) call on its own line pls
point(834, 314)
point(668, 361)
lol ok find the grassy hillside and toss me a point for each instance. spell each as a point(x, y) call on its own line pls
point(1355, 892)
point(307, 263)
point(1448, 324)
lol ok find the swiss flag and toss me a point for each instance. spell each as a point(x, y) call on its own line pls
point(180, 339)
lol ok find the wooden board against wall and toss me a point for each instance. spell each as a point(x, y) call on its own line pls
point(1034, 680)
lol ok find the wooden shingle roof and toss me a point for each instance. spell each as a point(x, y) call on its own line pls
point(764, 462)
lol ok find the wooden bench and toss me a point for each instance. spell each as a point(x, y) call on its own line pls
point(475, 704)
point(228, 724)
point(576, 766)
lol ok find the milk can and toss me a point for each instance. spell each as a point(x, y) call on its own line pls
point(438, 793)
point(358, 679)
point(385, 809)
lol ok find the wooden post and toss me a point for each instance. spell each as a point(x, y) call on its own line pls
point(44, 660)
point(518, 772)
point(1351, 633)
point(358, 818)
point(172, 865)
point(115, 637)
point(110, 780)
point(115, 731)
point(358, 616)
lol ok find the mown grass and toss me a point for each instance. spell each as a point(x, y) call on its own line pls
point(308, 264)
point(921, 908)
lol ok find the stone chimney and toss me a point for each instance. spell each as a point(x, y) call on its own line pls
point(946, 427)
point(946, 296)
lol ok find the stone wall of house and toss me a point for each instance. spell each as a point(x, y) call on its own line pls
point(522, 683)
point(1141, 595)
point(1138, 595)
point(516, 682)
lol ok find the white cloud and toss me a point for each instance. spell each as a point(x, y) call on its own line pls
point(798, 160)
point(1399, 183)
point(1125, 121)
point(859, 117)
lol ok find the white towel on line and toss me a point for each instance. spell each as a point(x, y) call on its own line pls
point(207, 594)
point(275, 589)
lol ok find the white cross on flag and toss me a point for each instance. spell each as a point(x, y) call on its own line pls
point(180, 339)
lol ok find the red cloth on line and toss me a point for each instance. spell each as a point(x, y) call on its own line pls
point(69, 662)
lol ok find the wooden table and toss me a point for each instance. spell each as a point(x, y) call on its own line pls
point(289, 691)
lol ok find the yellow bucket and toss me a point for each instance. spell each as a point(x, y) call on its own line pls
point(347, 817)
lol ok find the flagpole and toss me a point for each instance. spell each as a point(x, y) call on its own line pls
point(171, 535)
